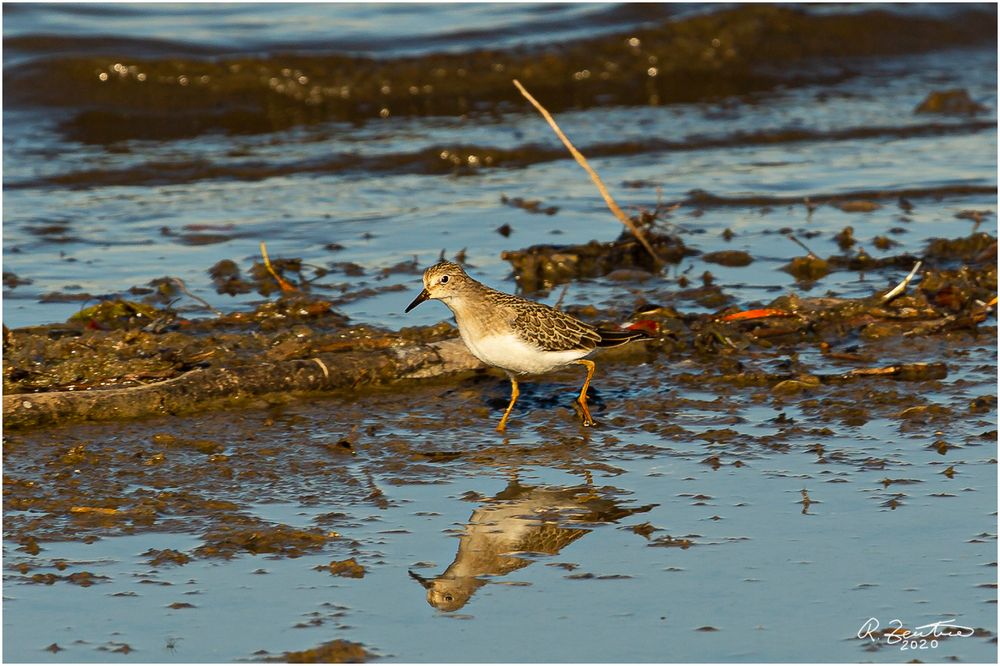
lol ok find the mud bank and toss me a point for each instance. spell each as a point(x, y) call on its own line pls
point(128, 361)
point(732, 52)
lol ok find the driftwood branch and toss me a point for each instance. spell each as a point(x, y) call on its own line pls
point(582, 161)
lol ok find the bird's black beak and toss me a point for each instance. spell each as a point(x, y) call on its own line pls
point(421, 297)
point(426, 582)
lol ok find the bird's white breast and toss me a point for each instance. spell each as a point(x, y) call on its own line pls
point(509, 352)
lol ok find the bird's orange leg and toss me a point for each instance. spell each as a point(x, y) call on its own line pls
point(513, 398)
point(591, 366)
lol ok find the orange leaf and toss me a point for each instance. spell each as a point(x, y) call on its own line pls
point(757, 314)
point(647, 325)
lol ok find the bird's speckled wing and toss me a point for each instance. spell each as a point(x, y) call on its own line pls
point(548, 328)
point(548, 538)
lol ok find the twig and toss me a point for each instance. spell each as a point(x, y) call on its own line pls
point(282, 282)
point(183, 287)
point(802, 245)
point(901, 287)
point(558, 305)
point(582, 161)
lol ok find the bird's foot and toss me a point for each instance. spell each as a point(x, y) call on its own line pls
point(584, 412)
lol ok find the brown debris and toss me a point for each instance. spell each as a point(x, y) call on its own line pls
point(347, 568)
point(858, 206)
point(544, 266)
point(527, 205)
point(951, 102)
point(807, 268)
point(643, 529)
point(845, 239)
point(166, 556)
point(334, 652)
point(668, 541)
point(729, 258)
point(242, 535)
point(227, 278)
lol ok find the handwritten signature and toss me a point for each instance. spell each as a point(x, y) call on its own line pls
point(921, 637)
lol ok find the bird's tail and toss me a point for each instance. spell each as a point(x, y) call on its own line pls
point(614, 338)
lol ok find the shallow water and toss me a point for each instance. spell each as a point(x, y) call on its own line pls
point(763, 576)
point(777, 580)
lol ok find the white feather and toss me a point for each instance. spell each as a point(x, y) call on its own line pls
point(510, 353)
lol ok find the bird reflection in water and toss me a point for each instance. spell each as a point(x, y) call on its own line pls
point(508, 528)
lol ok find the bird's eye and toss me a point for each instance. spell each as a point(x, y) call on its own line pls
point(444, 279)
point(448, 597)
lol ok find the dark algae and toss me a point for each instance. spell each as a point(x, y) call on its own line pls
point(730, 52)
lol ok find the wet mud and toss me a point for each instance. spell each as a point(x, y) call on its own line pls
point(121, 359)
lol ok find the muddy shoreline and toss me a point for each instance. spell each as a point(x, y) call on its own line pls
point(122, 360)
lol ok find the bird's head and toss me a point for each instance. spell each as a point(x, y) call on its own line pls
point(443, 281)
point(447, 593)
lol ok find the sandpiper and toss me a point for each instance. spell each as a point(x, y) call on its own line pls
point(518, 336)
